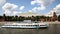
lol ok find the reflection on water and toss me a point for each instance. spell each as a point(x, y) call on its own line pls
point(53, 29)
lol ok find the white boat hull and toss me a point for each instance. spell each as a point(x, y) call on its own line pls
point(24, 26)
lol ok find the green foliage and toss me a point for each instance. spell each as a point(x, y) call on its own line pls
point(21, 18)
point(59, 18)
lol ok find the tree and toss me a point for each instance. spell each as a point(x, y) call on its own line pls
point(16, 18)
point(4, 17)
point(37, 18)
point(59, 18)
point(43, 18)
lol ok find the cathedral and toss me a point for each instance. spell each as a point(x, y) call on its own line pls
point(54, 17)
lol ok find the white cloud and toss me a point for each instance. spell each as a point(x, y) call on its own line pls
point(50, 13)
point(56, 9)
point(2, 2)
point(33, 2)
point(7, 12)
point(30, 10)
point(41, 8)
point(34, 9)
point(16, 12)
point(20, 12)
point(42, 3)
point(22, 7)
point(9, 8)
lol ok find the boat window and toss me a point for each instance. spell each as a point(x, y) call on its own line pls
point(36, 25)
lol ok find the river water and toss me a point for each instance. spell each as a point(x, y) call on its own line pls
point(52, 29)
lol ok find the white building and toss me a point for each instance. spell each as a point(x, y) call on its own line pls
point(28, 14)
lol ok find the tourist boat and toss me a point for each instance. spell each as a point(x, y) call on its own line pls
point(25, 25)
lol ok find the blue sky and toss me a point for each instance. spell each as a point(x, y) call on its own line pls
point(22, 6)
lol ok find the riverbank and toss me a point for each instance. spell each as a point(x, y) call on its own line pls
point(53, 22)
point(1, 23)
